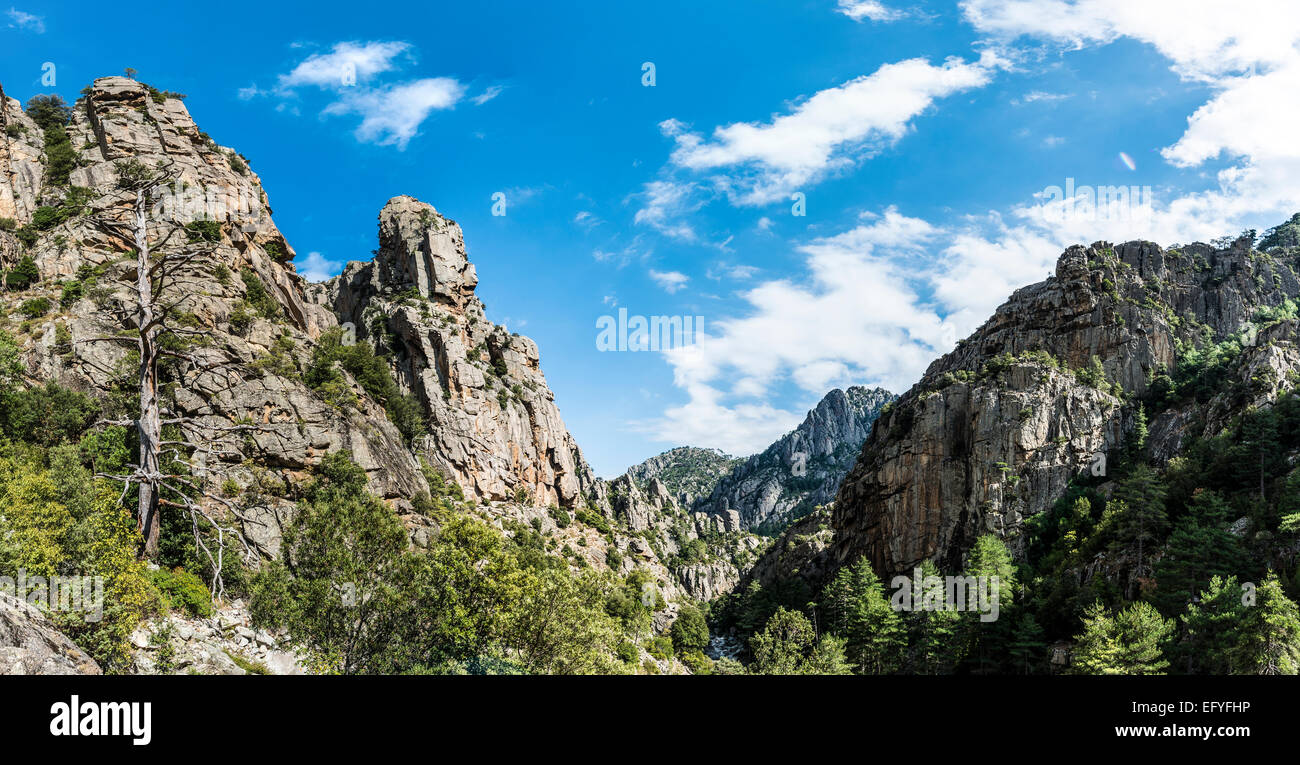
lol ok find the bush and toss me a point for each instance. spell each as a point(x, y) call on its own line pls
point(48, 415)
point(35, 308)
point(203, 231)
point(72, 292)
point(183, 591)
point(690, 632)
point(276, 251)
point(23, 275)
point(257, 297)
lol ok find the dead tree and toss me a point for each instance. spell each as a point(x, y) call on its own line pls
point(161, 273)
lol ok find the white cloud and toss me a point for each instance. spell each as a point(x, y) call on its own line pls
point(877, 303)
point(317, 268)
point(587, 219)
point(348, 64)
point(665, 203)
point(760, 163)
point(1204, 39)
point(862, 316)
point(1248, 54)
point(28, 21)
point(869, 9)
point(1039, 95)
point(487, 95)
point(392, 115)
point(671, 281)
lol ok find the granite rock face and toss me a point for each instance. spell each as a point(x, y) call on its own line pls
point(30, 644)
point(494, 425)
point(802, 469)
point(228, 380)
point(995, 430)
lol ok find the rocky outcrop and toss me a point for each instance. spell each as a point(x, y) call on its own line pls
point(996, 430)
point(221, 644)
point(492, 423)
point(30, 644)
point(803, 469)
point(689, 473)
point(494, 426)
point(245, 366)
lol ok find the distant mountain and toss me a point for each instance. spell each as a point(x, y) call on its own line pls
point(688, 472)
point(804, 468)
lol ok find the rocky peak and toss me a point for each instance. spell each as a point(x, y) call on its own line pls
point(420, 248)
point(803, 468)
point(995, 430)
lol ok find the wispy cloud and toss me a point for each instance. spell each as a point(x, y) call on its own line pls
point(665, 202)
point(872, 10)
point(756, 163)
point(487, 95)
point(670, 281)
point(391, 113)
point(26, 21)
point(317, 268)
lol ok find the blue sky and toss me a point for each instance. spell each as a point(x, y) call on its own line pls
point(922, 136)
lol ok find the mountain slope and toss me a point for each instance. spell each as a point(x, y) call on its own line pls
point(393, 362)
point(996, 430)
point(803, 468)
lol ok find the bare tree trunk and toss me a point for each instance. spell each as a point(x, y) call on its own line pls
point(150, 423)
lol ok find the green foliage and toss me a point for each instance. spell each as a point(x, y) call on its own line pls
point(51, 114)
point(857, 609)
point(689, 631)
point(203, 231)
point(590, 517)
point(184, 591)
point(259, 300)
point(23, 275)
point(1130, 643)
point(788, 645)
point(36, 307)
point(47, 415)
point(352, 593)
point(276, 251)
point(1094, 374)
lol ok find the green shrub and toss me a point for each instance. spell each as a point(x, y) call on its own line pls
point(36, 307)
point(203, 231)
point(259, 299)
point(276, 251)
point(72, 292)
point(183, 591)
point(690, 632)
point(23, 275)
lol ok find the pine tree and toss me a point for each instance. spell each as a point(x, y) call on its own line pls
point(1130, 643)
point(860, 613)
point(990, 561)
point(1027, 644)
point(1200, 548)
point(1142, 520)
point(1210, 628)
point(933, 634)
point(1269, 641)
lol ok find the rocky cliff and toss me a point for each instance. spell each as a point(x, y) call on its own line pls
point(478, 409)
point(803, 469)
point(493, 423)
point(1049, 386)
